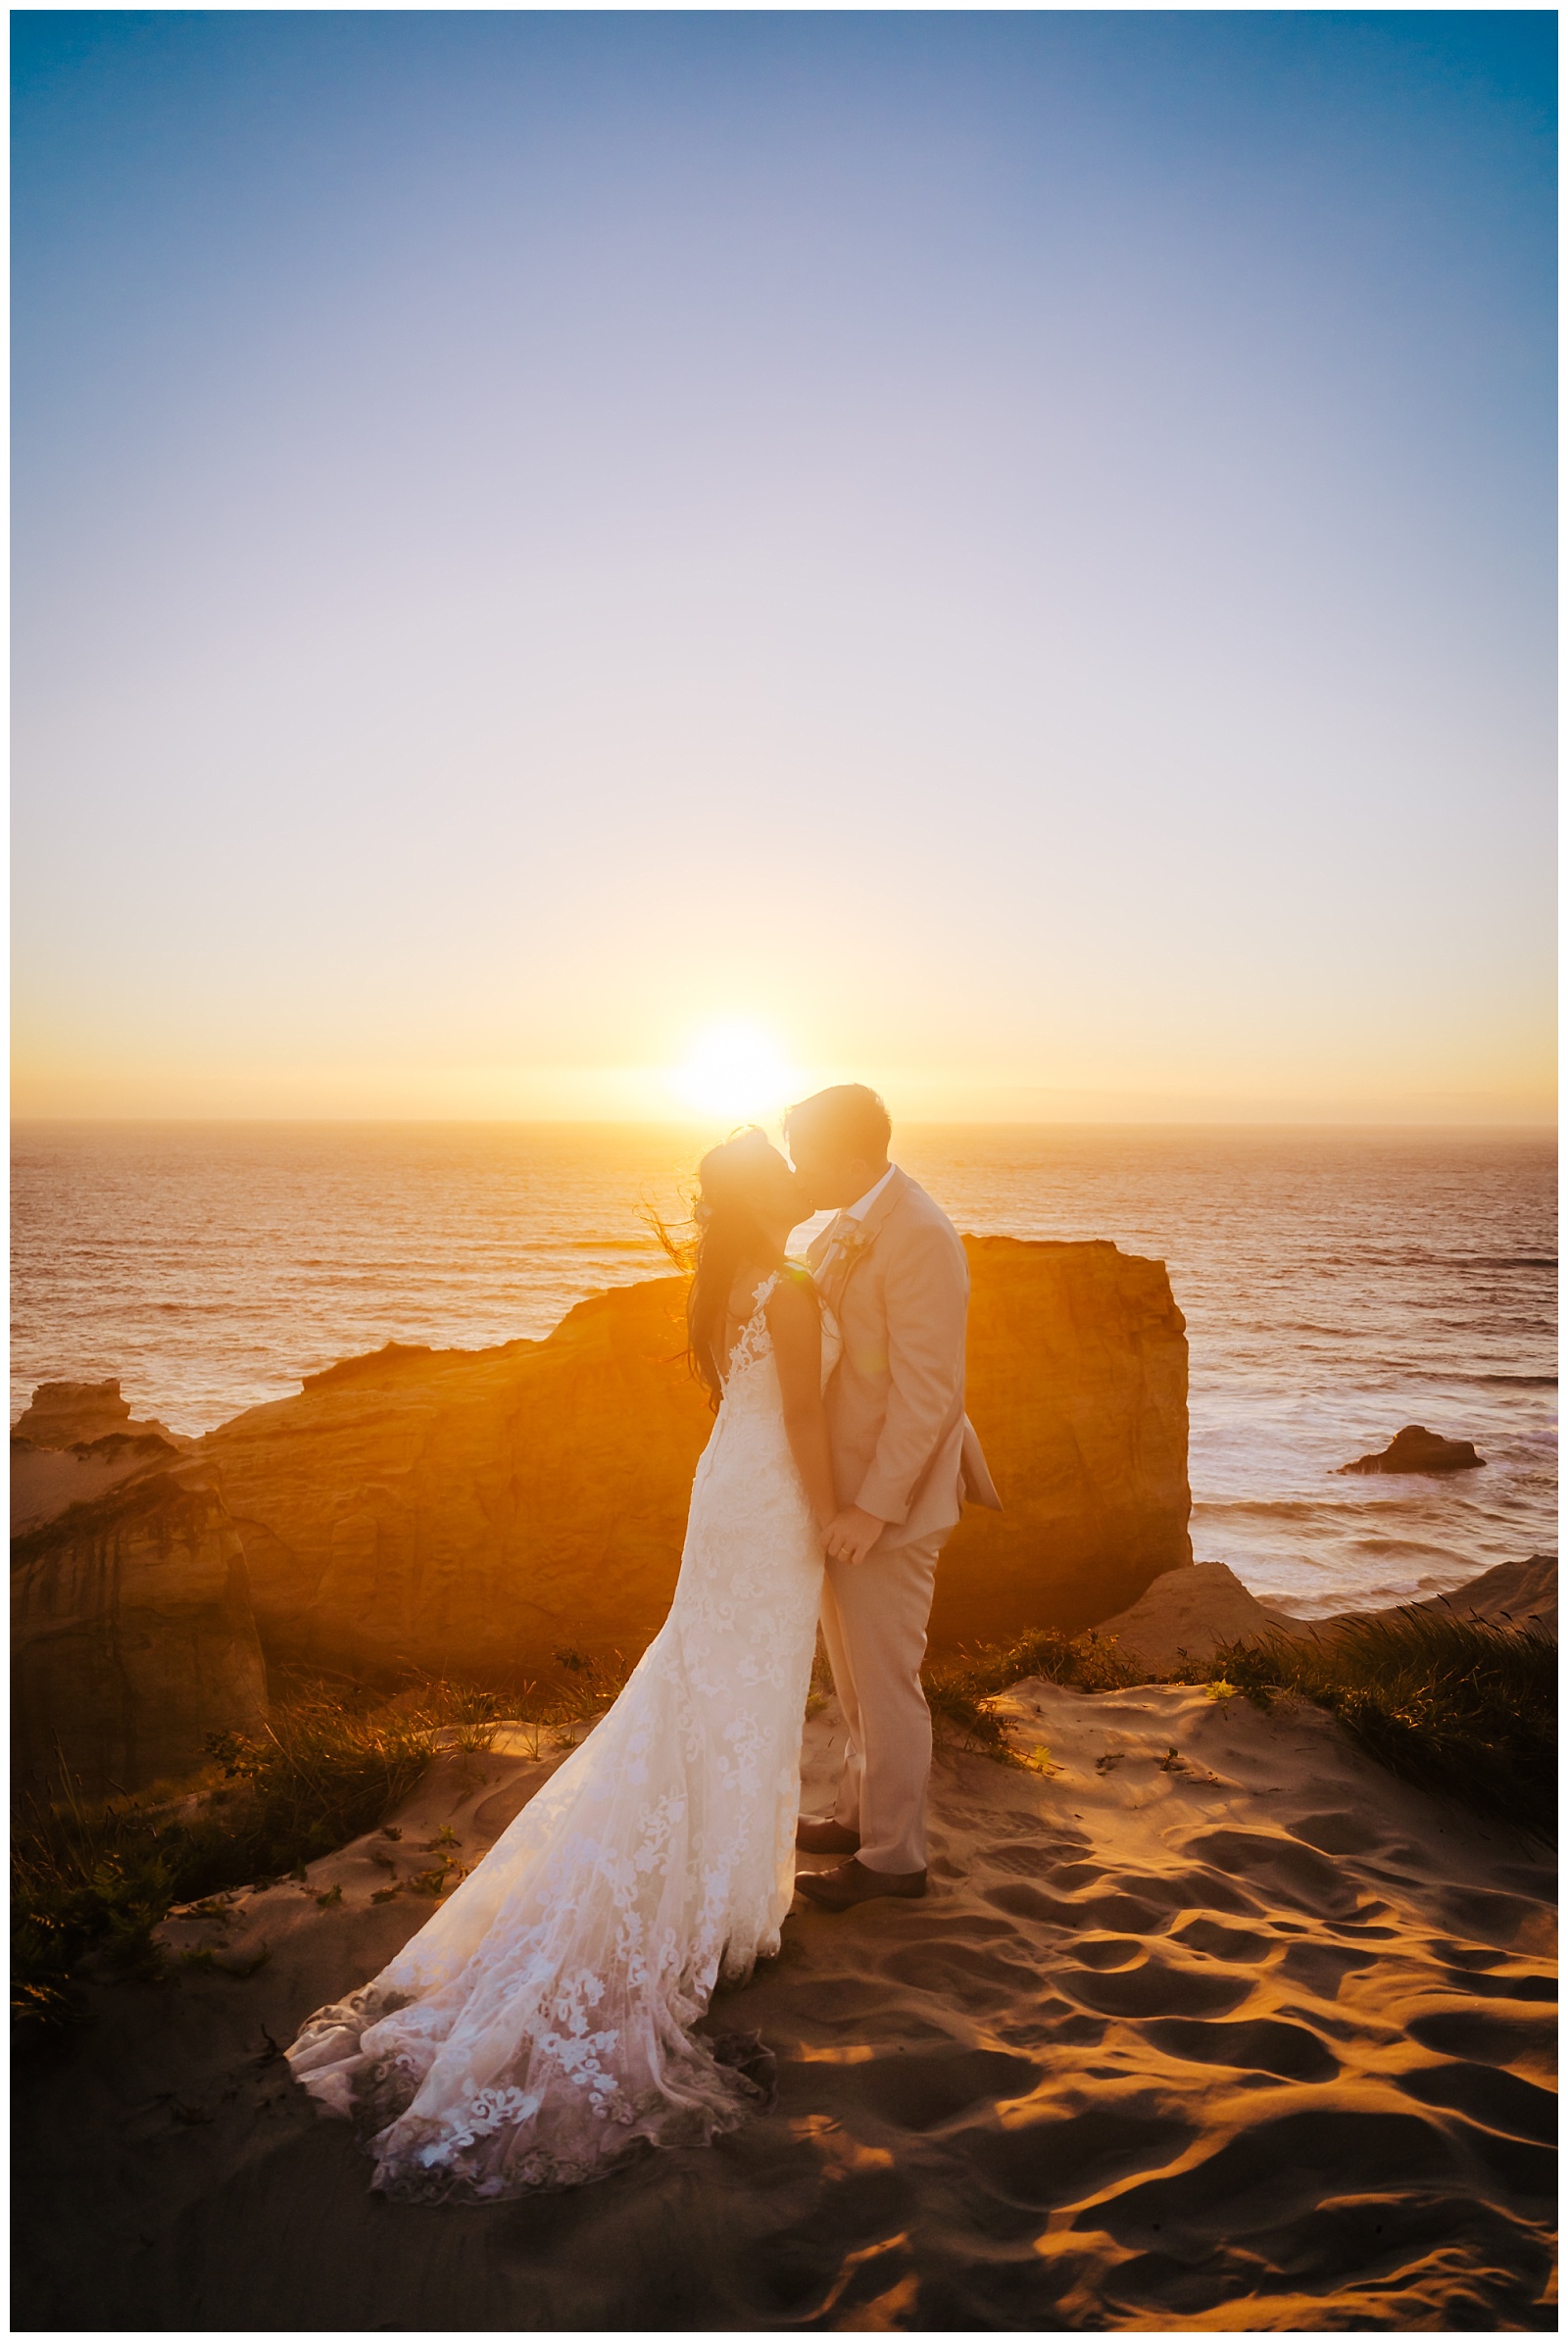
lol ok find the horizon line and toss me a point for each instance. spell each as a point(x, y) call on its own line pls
point(600, 1122)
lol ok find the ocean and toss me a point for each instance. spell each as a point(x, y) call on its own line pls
point(1335, 1286)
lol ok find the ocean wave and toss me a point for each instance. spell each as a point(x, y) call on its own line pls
point(1520, 1382)
point(1326, 1509)
point(1522, 1260)
point(1279, 1508)
point(1402, 1257)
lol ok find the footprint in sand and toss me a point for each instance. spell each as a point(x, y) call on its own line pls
point(1262, 2045)
point(1153, 1988)
point(1488, 2094)
point(1322, 1967)
point(1298, 1874)
point(1493, 2036)
point(1061, 2161)
point(1222, 1943)
point(1108, 1951)
point(973, 1975)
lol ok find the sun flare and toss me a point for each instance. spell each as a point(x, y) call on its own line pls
point(736, 1073)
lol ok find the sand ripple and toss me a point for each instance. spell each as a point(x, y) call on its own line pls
point(1211, 2026)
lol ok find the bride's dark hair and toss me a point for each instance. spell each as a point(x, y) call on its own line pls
point(731, 1185)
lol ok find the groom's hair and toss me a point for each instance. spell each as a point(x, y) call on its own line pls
point(851, 1122)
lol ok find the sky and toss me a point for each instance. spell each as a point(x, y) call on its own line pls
point(626, 565)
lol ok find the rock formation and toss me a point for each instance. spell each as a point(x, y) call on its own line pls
point(1077, 1386)
point(61, 1414)
point(131, 1629)
point(475, 1512)
point(1416, 1450)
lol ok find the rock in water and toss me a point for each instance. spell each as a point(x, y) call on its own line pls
point(1416, 1450)
point(475, 1511)
point(132, 1637)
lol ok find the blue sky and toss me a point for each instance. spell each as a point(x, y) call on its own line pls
point(1011, 554)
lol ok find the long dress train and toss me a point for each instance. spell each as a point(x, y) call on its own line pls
point(539, 2028)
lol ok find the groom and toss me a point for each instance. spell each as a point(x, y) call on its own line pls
point(892, 1270)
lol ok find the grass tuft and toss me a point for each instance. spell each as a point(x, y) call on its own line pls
point(91, 1880)
point(958, 1690)
point(1453, 1705)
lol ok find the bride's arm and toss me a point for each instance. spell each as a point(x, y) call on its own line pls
point(795, 1326)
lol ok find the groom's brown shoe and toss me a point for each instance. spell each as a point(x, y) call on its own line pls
point(851, 1882)
point(826, 1837)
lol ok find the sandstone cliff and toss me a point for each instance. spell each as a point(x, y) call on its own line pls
point(475, 1512)
point(131, 1629)
point(1077, 1385)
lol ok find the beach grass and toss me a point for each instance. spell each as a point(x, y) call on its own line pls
point(958, 1690)
point(91, 1879)
point(1457, 1706)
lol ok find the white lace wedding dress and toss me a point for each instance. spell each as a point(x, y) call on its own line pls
point(539, 2028)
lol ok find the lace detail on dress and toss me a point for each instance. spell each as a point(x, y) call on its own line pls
point(539, 2029)
point(753, 1342)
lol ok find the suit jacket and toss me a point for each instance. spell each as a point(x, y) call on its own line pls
point(903, 1446)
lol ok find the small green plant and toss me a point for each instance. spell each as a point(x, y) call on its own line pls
point(435, 1881)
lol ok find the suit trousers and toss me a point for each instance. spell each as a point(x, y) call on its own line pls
point(875, 1617)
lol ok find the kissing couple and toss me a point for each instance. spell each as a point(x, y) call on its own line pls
point(541, 2025)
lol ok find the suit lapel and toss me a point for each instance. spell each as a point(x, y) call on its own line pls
point(864, 1236)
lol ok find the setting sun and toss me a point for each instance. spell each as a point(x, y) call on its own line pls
point(737, 1073)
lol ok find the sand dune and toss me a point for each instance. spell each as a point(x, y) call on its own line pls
point(1208, 2023)
point(1187, 1613)
point(1515, 1593)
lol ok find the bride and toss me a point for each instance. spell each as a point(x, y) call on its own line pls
point(540, 2028)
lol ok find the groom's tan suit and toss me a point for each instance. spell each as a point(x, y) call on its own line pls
point(897, 1283)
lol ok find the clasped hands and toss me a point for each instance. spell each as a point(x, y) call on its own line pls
point(851, 1534)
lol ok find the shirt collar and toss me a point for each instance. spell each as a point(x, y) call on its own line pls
point(858, 1211)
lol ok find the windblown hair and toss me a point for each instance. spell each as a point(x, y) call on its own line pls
point(850, 1120)
point(728, 1233)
